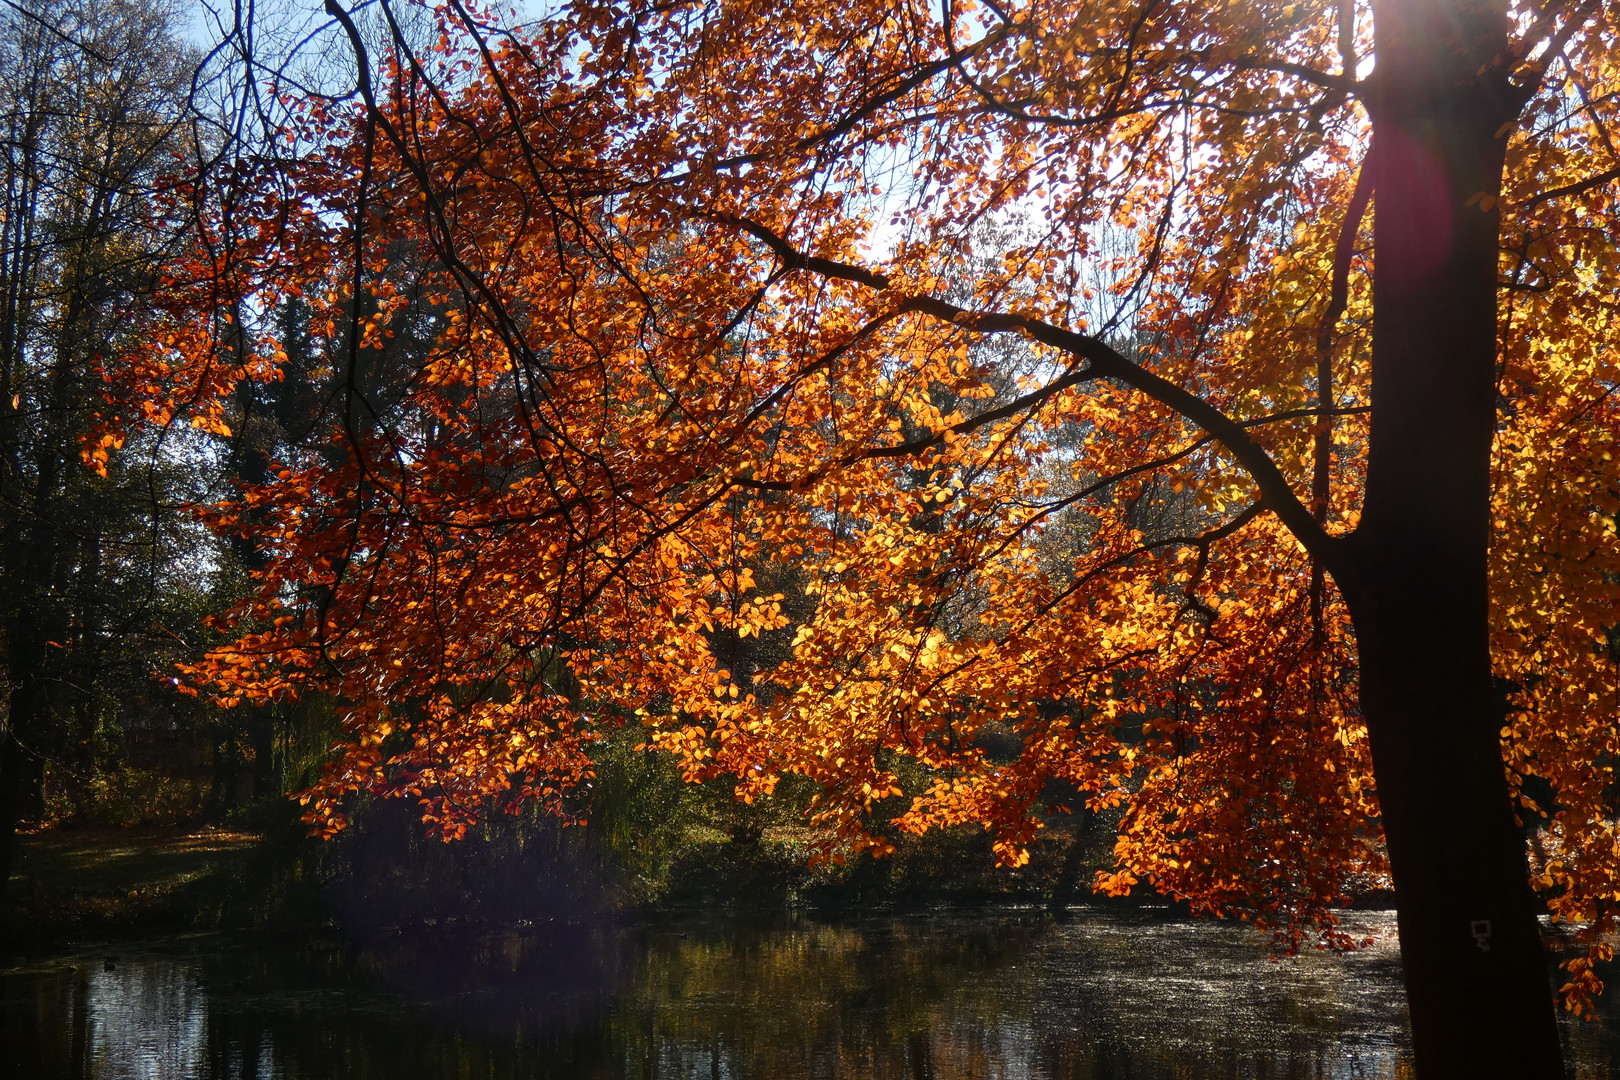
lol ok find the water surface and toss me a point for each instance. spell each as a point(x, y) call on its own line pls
point(944, 997)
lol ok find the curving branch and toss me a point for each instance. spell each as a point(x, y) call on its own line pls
point(1100, 360)
point(1340, 84)
point(1608, 176)
point(1338, 299)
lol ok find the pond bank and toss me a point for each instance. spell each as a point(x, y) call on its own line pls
point(98, 882)
point(77, 884)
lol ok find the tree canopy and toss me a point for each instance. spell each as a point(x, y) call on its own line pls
point(1216, 397)
point(93, 101)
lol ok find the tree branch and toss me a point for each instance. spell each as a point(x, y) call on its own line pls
point(1338, 299)
point(1101, 361)
point(1605, 177)
point(1537, 33)
point(1343, 84)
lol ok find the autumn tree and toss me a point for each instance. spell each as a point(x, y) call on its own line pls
point(701, 284)
point(91, 99)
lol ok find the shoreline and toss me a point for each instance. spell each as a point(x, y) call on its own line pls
point(100, 885)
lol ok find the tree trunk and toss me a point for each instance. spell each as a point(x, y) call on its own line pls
point(1476, 976)
point(1415, 570)
point(24, 730)
point(12, 772)
point(261, 728)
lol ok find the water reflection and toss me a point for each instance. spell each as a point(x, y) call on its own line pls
point(935, 998)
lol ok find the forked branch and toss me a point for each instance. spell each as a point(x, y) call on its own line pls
point(1100, 361)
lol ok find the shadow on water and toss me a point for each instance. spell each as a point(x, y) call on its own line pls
point(920, 998)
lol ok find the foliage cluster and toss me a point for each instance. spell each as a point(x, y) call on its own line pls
point(1209, 405)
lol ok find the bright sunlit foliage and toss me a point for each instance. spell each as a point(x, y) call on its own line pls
point(822, 394)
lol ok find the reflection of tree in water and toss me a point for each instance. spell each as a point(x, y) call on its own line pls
point(882, 999)
point(906, 999)
point(105, 1021)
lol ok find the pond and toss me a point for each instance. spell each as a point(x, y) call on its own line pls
point(938, 997)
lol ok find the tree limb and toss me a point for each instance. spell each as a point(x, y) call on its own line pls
point(1605, 177)
point(1101, 361)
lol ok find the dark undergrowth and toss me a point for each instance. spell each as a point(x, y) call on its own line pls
point(385, 875)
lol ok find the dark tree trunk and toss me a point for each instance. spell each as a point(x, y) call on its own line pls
point(24, 735)
point(262, 730)
point(12, 772)
point(1074, 862)
point(222, 791)
point(1415, 570)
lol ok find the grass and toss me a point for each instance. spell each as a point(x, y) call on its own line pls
point(74, 882)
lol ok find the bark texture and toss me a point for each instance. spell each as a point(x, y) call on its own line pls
point(1415, 571)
